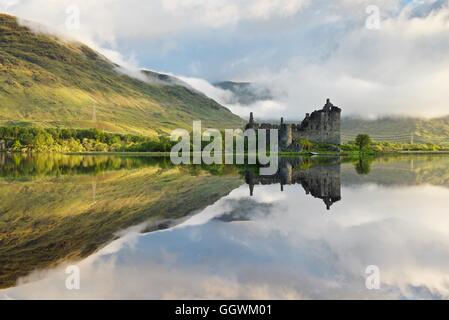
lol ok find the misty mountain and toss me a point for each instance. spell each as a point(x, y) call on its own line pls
point(245, 93)
point(46, 81)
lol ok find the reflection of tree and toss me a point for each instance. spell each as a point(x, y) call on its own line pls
point(363, 165)
point(47, 164)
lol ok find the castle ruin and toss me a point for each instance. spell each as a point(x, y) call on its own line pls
point(321, 126)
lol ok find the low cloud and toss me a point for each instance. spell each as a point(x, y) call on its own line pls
point(400, 69)
point(107, 21)
point(307, 50)
point(265, 109)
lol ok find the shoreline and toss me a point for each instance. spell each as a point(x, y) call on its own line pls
point(309, 154)
point(282, 154)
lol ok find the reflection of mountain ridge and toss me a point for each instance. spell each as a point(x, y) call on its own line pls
point(46, 217)
point(321, 179)
point(400, 170)
point(244, 210)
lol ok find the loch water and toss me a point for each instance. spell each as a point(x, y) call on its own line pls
point(143, 228)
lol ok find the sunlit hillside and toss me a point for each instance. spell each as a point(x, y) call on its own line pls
point(47, 82)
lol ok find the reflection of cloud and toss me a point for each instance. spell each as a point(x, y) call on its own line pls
point(295, 251)
point(244, 209)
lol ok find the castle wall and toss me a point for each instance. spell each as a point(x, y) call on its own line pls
point(285, 136)
point(322, 126)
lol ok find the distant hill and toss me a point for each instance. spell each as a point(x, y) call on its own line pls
point(394, 129)
point(399, 129)
point(244, 92)
point(48, 82)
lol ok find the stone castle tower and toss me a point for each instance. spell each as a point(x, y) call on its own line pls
point(321, 126)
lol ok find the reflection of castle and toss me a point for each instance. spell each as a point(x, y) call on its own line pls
point(319, 180)
point(322, 126)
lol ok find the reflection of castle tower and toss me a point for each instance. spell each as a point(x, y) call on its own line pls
point(322, 181)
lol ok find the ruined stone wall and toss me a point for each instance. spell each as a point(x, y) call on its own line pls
point(285, 136)
point(322, 126)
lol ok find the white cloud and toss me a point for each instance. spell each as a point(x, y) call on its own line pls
point(403, 69)
point(310, 50)
point(105, 21)
point(219, 95)
point(264, 108)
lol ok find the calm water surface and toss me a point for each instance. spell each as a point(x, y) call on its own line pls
point(139, 227)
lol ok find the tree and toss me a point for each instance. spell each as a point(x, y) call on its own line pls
point(17, 146)
point(362, 141)
point(306, 144)
point(43, 142)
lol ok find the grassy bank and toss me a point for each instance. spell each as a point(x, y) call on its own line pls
point(93, 141)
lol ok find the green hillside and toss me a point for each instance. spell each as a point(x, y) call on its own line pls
point(399, 129)
point(48, 82)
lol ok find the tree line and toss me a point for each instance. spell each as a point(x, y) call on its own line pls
point(25, 139)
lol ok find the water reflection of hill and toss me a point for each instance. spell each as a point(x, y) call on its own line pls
point(322, 178)
point(63, 213)
point(398, 171)
point(25, 166)
point(54, 208)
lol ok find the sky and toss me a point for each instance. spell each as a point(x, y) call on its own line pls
point(370, 57)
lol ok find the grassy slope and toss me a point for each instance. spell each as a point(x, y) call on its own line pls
point(46, 219)
point(47, 82)
point(433, 130)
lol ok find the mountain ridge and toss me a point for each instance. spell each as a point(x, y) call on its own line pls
point(245, 93)
point(400, 129)
point(47, 82)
